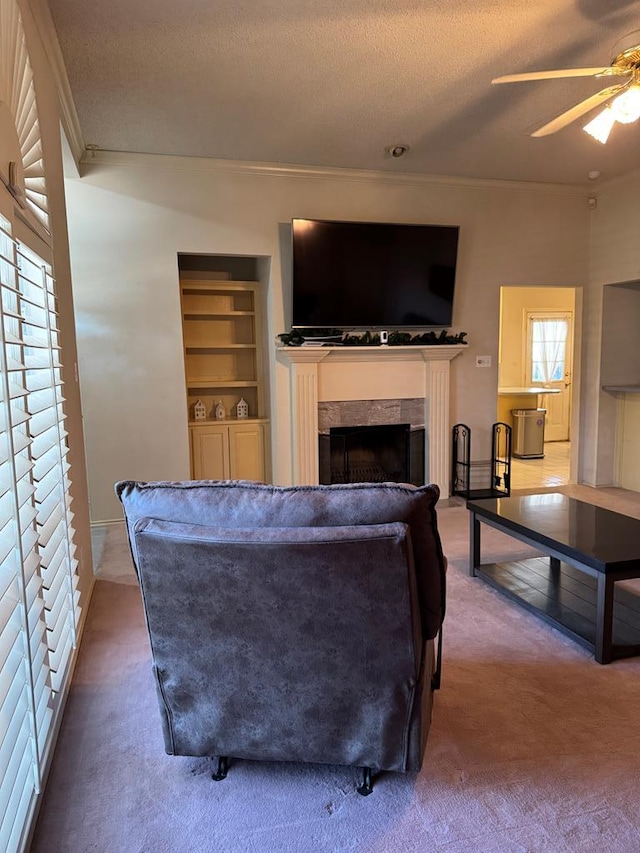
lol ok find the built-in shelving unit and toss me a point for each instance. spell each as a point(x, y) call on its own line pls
point(221, 324)
point(221, 345)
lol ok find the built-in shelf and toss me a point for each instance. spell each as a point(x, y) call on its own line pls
point(622, 389)
point(222, 421)
point(214, 315)
point(222, 285)
point(218, 348)
point(213, 381)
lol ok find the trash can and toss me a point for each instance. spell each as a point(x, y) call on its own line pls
point(528, 433)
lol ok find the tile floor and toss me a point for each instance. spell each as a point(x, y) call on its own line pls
point(552, 470)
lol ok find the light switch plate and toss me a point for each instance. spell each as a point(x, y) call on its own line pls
point(483, 361)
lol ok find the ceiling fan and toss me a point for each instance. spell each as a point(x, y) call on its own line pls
point(623, 97)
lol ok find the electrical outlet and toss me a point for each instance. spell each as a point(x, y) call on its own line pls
point(483, 361)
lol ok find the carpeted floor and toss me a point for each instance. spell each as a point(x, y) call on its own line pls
point(534, 746)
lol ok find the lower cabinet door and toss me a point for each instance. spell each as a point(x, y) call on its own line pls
point(210, 453)
point(246, 452)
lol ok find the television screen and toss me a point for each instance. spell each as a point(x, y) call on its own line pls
point(366, 275)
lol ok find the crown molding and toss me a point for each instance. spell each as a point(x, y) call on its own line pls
point(68, 114)
point(167, 162)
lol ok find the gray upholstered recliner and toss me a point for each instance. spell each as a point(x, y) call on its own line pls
point(291, 624)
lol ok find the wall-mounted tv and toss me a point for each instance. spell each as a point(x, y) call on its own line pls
point(368, 275)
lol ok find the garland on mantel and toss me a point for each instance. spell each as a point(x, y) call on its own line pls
point(297, 337)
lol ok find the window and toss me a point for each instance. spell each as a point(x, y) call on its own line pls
point(38, 596)
point(548, 349)
point(38, 578)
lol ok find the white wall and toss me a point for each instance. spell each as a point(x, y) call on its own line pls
point(614, 257)
point(129, 217)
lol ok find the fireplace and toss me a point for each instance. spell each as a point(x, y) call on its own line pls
point(364, 377)
point(387, 453)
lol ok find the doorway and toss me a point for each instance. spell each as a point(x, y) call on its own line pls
point(539, 329)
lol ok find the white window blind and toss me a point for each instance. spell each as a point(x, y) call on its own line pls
point(17, 91)
point(38, 579)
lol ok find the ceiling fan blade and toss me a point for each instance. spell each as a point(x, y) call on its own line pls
point(579, 110)
point(568, 72)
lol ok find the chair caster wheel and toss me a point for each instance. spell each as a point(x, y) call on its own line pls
point(367, 786)
point(221, 772)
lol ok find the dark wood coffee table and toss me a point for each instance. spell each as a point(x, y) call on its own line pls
point(587, 550)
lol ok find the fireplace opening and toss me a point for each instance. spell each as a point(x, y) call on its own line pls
point(390, 453)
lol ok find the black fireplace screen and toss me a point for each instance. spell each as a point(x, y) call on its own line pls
point(392, 453)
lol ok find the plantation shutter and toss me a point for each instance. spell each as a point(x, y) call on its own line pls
point(18, 92)
point(38, 580)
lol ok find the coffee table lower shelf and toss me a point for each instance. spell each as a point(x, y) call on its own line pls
point(566, 598)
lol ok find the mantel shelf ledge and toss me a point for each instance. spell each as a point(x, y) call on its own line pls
point(315, 354)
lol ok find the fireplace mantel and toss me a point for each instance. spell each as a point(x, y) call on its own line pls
point(311, 354)
point(306, 365)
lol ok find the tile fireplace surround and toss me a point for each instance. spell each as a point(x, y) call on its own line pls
point(334, 374)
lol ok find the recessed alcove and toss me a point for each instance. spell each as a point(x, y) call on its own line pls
point(619, 411)
point(620, 354)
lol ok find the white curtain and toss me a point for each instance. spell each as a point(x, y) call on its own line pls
point(548, 348)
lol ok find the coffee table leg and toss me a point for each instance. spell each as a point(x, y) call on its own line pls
point(474, 544)
point(604, 619)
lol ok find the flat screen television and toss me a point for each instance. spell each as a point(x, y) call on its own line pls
point(368, 275)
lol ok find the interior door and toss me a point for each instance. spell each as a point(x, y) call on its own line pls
point(548, 364)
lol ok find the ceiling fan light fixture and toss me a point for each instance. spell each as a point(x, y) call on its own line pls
point(626, 107)
point(600, 126)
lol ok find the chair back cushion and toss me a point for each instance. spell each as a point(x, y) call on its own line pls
point(233, 504)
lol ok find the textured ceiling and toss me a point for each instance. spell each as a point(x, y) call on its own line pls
point(332, 82)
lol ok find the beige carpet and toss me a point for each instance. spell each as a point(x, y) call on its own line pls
point(534, 746)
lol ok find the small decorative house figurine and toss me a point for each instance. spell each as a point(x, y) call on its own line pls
point(199, 411)
point(220, 412)
point(242, 409)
